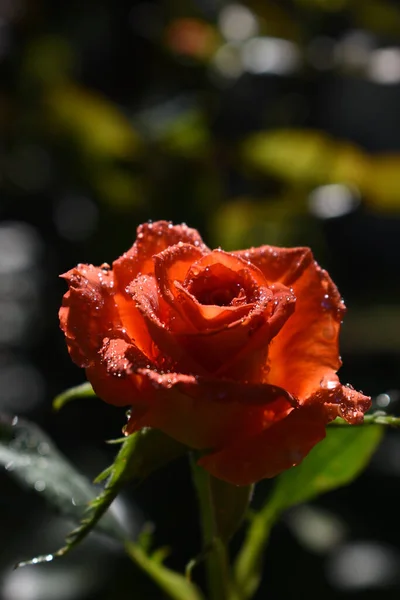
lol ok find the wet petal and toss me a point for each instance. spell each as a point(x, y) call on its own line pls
point(156, 314)
point(229, 260)
point(270, 452)
point(88, 312)
point(113, 375)
point(209, 317)
point(284, 265)
point(239, 349)
point(203, 412)
point(306, 350)
point(151, 239)
point(171, 266)
point(340, 400)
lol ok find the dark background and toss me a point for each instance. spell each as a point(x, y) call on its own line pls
point(263, 122)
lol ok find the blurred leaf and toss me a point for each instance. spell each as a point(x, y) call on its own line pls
point(92, 121)
point(307, 159)
point(299, 156)
point(116, 186)
point(332, 463)
point(84, 390)
point(31, 458)
point(174, 584)
point(377, 15)
point(381, 182)
point(48, 60)
point(187, 135)
point(281, 221)
point(141, 454)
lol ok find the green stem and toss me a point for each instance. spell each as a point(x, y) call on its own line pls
point(216, 554)
point(248, 565)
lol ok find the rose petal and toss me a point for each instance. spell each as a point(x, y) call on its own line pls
point(179, 263)
point(152, 238)
point(113, 376)
point(134, 324)
point(203, 412)
point(270, 452)
point(340, 400)
point(252, 361)
point(306, 350)
point(284, 265)
point(88, 312)
point(209, 317)
point(231, 261)
point(169, 266)
point(239, 350)
point(166, 351)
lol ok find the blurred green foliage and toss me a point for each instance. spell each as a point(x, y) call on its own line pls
point(229, 114)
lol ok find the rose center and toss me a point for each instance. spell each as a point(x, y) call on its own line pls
point(211, 290)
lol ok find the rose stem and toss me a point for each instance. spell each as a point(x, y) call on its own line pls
point(215, 550)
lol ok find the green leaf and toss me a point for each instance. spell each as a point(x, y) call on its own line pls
point(174, 584)
point(332, 463)
point(379, 417)
point(141, 454)
point(84, 390)
point(31, 458)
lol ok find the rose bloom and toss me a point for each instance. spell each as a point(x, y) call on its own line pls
point(231, 353)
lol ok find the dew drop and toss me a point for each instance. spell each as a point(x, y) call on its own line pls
point(40, 485)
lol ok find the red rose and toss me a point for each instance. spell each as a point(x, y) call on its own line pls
point(234, 353)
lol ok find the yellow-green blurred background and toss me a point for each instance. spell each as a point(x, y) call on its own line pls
point(257, 122)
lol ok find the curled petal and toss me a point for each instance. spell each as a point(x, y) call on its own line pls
point(270, 452)
point(252, 361)
point(113, 376)
point(203, 412)
point(239, 349)
point(283, 265)
point(206, 317)
point(166, 350)
point(306, 351)
point(151, 239)
point(229, 260)
point(171, 266)
point(134, 325)
point(340, 401)
point(88, 312)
